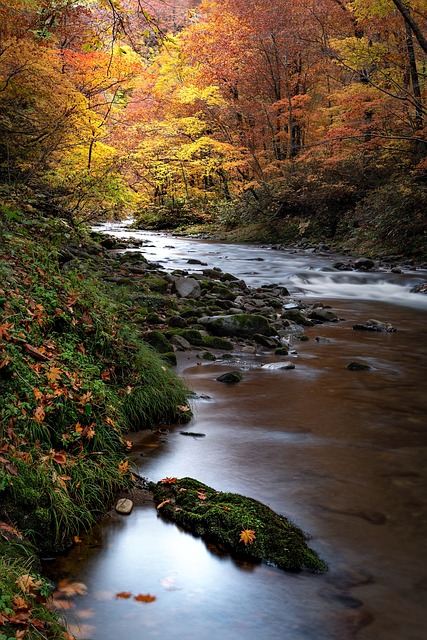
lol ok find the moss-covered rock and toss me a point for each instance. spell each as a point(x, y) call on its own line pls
point(215, 342)
point(281, 351)
point(242, 325)
point(158, 341)
point(242, 526)
point(231, 377)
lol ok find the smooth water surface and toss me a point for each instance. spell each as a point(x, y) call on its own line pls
point(342, 453)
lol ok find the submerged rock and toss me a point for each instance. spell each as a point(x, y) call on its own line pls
point(231, 377)
point(242, 526)
point(358, 366)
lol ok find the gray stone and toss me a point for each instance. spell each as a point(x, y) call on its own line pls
point(124, 506)
point(322, 315)
point(278, 365)
point(180, 343)
point(187, 287)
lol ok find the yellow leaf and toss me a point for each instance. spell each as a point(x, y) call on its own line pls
point(37, 393)
point(123, 467)
point(26, 583)
point(247, 536)
point(162, 504)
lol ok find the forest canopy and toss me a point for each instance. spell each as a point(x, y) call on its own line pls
point(232, 111)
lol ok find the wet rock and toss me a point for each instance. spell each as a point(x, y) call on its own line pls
point(420, 288)
point(124, 506)
point(180, 343)
point(343, 266)
point(296, 315)
point(265, 341)
point(276, 366)
point(321, 340)
point(245, 527)
point(207, 355)
point(195, 261)
point(187, 287)
point(322, 315)
point(193, 434)
point(358, 366)
point(231, 377)
point(281, 351)
point(239, 325)
point(375, 325)
point(364, 264)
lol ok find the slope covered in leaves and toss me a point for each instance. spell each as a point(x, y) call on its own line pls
point(74, 376)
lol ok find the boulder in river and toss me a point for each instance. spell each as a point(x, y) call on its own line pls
point(186, 287)
point(241, 325)
point(231, 377)
point(124, 506)
point(242, 526)
point(276, 366)
point(375, 325)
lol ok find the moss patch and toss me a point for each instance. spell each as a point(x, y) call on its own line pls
point(222, 518)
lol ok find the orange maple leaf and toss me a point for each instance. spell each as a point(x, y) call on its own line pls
point(84, 399)
point(247, 536)
point(39, 414)
point(19, 604)
point(168, 481)
point(26, 583)
point(144, 598)
point(124, 594)
point(53, 374)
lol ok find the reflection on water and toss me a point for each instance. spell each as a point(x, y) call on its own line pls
point(341, 453)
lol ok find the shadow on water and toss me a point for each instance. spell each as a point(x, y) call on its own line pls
point(342, 453)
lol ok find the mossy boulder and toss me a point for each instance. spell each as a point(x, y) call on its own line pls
point(231, 377)
point(281, 351)
point(242, 325)
point(215, 342)
point(239, 525)
point(158, 341)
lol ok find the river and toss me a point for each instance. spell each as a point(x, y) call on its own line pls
point(341, 453)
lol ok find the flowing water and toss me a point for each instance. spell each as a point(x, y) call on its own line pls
point(341, 453)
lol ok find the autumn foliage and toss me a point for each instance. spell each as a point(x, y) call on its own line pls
point(232, 111)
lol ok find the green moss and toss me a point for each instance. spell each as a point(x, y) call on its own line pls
point(281, 351)
point(158, 341)
point(170, 358)
point(221, 517)
point(231, 377)
point(215, 342)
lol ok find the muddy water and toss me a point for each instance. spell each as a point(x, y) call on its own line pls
point(342, 453)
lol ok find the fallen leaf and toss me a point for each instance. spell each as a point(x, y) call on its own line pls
point(59, 457)
point(183, 407)
point(20, 604)
point(247, 536)
point(37, 393)
point(124, 594)
point(144, 598)
point(123, 467)
point(159, 506)
point(36, 353)
point(168, 481)
point(53, 374)
point(202, 496)
point(39, 414)
point(70, 589)
point(77, 540)
point(84, 399)
point(26, 583)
